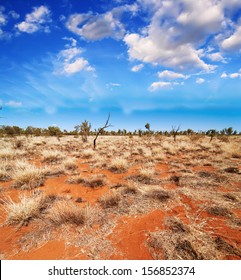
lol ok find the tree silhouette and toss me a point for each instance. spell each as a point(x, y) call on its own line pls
point(101, 129)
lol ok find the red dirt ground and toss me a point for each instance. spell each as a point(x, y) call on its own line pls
point(129, 235)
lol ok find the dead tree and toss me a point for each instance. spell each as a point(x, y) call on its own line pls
point(100, 130)
point(174, 131)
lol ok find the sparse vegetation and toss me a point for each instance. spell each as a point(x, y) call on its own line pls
point(184, 194)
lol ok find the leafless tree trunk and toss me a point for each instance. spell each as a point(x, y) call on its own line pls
point(100, 130)
point(175, 131)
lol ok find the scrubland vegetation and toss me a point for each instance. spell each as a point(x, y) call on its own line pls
point(141, 195)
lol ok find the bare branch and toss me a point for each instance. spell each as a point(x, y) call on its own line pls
point(100, 130)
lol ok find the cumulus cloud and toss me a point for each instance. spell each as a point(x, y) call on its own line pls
point(137, 68)
point(175, 31)
point(170, 75)
point(35, 21)
point(224, 75)
point(200, 80)
point(233, 43)
point(95, 27)
point(235, 75)
point(71, 60)
point(159, 85)
point(232, 75)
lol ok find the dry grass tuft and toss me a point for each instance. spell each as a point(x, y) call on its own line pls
point(93, 182)
point(219, 211)
point(146, 174)
point(222, 245)
point(52, 156)
point(28, 177)
point(110, 200)
point(186, 251)
point(159, 195)
point(231, 170)
point(176, 225)
point(28, 208)
point(88, 153)
point(66, 212)
point(119, 165)
point(185, 242)
point(70, 164)
point(5, 167)
point(7, 153)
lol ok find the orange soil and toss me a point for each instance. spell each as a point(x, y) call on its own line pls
point(128, 237)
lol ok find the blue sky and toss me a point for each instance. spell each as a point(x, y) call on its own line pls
point(166, 62)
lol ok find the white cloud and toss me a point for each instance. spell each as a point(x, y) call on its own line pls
point(170, 75)
point(112, 85)
point(224, 75)
point(200, 80)
point(137, 68)
point(235, 75)
point(159, 85)
point(78, 65)
point(217, 56)
point(72, 41)
point(13, 103)
point(35, 21)
point(232, 75)
point(233, 43)
point(95, 27)
point(115, 84)
point(3, 18)
point(175, 32)
point(3, 22)
point(72, 62)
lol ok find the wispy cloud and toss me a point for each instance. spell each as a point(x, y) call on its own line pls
point(36, 20)
point(98, 26)
point(3, 21)
point(13, 103)
point(137, 68)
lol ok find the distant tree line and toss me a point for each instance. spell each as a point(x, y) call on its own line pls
point(84, 130)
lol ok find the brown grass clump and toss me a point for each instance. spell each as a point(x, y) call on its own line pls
point(222, 245)
point(146, 173)
point(66, 212)
point(159, 195)
point(88, 153)
point(110, 200)
point(7, 153)
point(93, 182)
point(219, 211)
point(28, 178)
point(186, 251)
point(185, 242)
point(5, 167)
point(176, 225)
point(52, 156)
point(231, 170)
point(130, 190)
point(70, 164)
point(28, 208)
point(119, 165)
